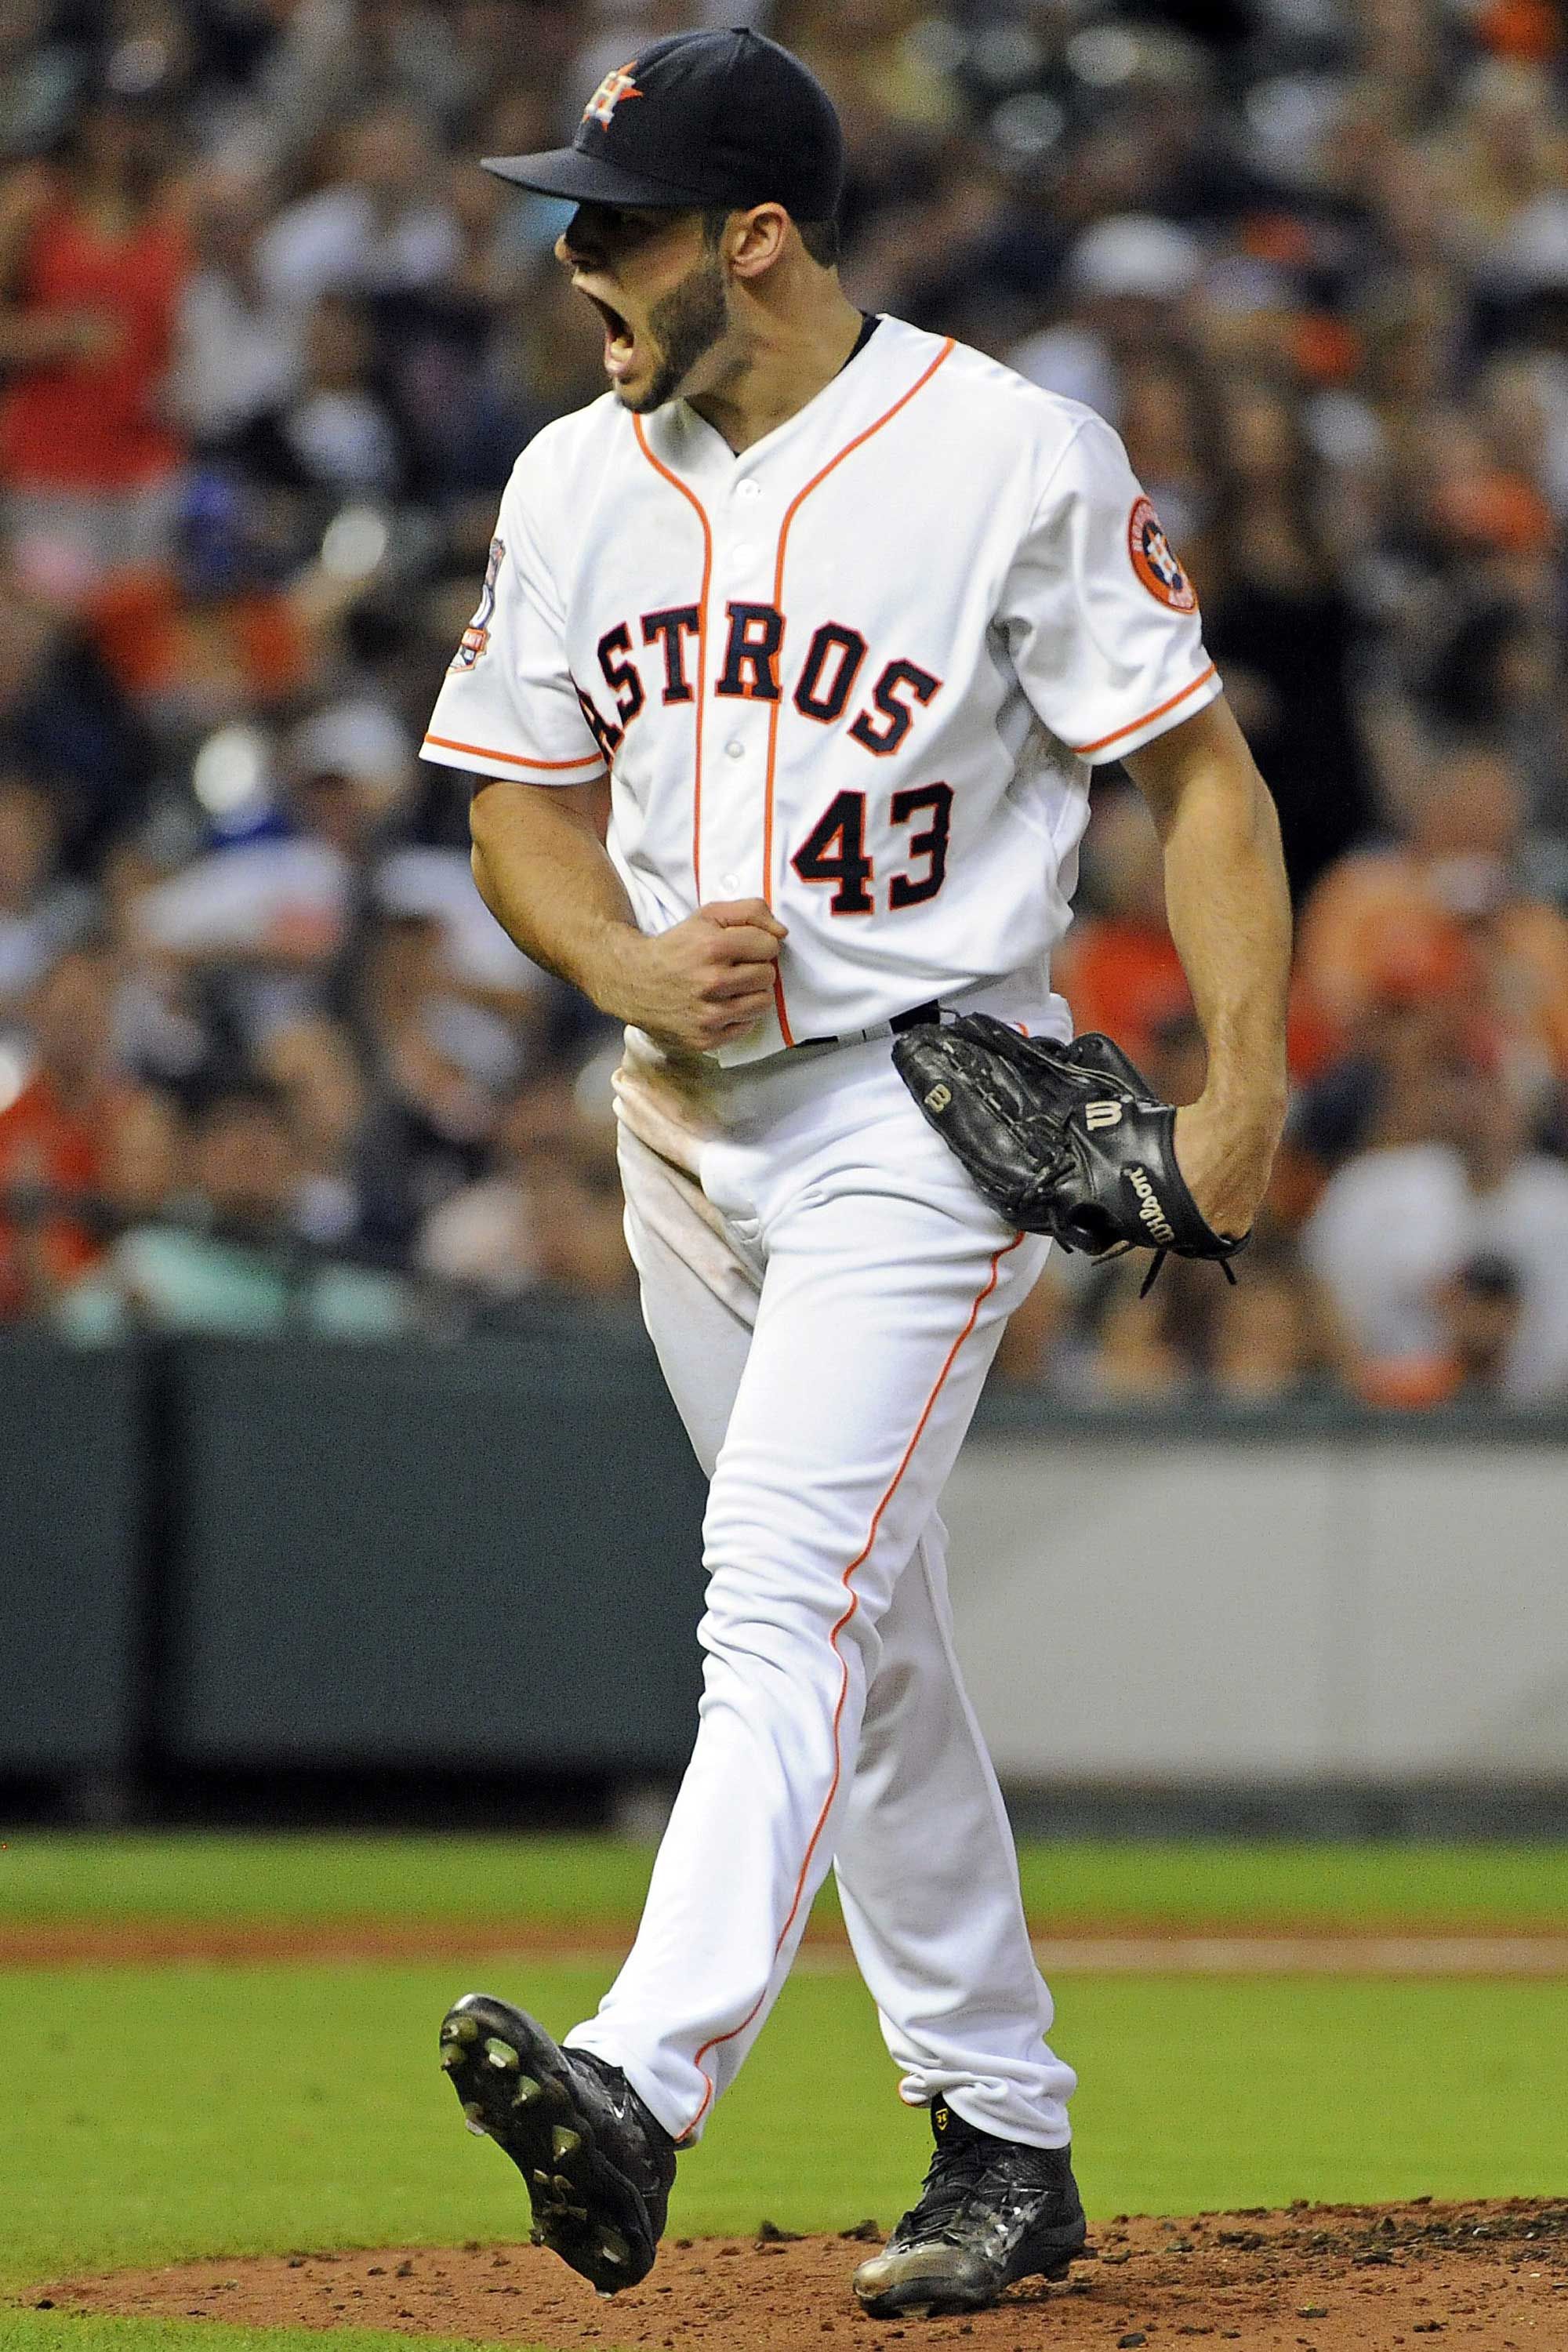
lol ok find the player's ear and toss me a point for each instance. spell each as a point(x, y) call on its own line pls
point(753, 239)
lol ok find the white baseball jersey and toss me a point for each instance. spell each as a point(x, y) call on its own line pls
point(862, 670)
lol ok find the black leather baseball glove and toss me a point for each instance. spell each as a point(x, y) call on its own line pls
point(1067, 1140)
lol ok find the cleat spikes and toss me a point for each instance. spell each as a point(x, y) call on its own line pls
point(596, 2166)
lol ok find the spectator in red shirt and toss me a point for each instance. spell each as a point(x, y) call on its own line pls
point(1446, 914)
point(55, 1134)
point(93, 256)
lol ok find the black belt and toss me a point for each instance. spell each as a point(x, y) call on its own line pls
point(919, 1016)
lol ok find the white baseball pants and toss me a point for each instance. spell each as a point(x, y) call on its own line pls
point(825, 1306)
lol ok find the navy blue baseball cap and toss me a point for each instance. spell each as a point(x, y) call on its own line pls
point(694, 120)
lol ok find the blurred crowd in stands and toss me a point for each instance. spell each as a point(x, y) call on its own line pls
point(268, 344)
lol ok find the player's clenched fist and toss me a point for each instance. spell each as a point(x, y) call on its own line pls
point(708, 980)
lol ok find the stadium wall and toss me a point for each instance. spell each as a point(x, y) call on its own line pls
point(484, 1558)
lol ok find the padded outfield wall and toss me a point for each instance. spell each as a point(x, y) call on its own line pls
point(485, 1556)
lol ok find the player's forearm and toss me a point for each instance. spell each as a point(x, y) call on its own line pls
point(1230, 918)
point(1229, 910)
point(546, 877)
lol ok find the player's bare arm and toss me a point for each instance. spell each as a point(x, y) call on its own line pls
point(543, 872)
point(1229, 911)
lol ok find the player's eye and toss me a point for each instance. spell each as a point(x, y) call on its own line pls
point(630, 229)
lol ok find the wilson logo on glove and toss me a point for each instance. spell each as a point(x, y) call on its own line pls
point(1149, 1208)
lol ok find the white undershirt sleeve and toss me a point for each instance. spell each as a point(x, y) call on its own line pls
point(1101, 620)
point(508, 705)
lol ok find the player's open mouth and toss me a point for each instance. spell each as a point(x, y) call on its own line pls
point(620, 337)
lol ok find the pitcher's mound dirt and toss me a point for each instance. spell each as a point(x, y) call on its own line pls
point(1318, 2278)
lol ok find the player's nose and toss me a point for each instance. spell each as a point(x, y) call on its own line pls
point(574, 248)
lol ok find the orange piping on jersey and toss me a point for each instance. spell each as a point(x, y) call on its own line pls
point(483, 751)
point(1081, 751)
point(702, 513)
point(790, 511)
point(785, 1032)
point(981, 1294)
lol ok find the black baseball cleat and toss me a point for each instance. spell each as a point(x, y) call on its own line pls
point(992, 2211)
point(598, 2167)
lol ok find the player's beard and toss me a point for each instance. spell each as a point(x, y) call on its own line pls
point(684, 324)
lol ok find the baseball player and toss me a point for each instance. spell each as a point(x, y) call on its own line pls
point(846, 614)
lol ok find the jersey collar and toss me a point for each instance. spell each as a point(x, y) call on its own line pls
point(855, 396)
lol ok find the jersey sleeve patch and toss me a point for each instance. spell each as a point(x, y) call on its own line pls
point(1155, 562)
point(507, 705)
point(476, 637)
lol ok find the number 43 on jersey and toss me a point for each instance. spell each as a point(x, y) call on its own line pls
point(833, 852)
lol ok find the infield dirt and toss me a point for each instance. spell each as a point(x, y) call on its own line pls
point(1316, 2278)
point(1113, 1949)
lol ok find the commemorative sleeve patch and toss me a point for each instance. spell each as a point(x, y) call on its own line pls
point(1155, 562)
point(477, 635)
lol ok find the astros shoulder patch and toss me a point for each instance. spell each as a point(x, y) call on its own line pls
point(1155, 562)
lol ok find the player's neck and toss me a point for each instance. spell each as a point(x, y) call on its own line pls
point(791, 351)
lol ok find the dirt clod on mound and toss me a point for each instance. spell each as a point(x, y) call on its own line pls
point(1490, 2277)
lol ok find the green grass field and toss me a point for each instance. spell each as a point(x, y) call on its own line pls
point(194, 2109)
point(578, 1881)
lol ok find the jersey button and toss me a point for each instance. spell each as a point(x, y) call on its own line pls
point(731, 882)
point(735, 750)
point(748, 489)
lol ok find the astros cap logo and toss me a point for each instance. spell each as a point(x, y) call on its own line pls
point(1155, 562)
point(609, 94)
